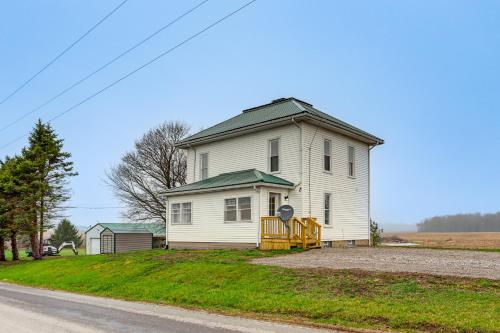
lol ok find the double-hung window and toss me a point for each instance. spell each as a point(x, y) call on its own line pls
point(274, 155)
point(230, 211)
point(350, 161)
point(203, 166)
point(181, 213)
point(238, 209)
point(328, 204)
point(327, 155)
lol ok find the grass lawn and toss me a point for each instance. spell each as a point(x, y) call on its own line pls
point(224, 281)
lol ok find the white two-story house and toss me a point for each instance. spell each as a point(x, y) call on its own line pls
point(284, 152)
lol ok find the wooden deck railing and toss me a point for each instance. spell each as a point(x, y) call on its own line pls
point(275, 234)
point(273, 227)
point(298, 230)
point(313, 230)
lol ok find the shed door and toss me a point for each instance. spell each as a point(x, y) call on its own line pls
point(95, 246)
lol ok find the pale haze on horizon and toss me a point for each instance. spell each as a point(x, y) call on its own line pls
point(424, 76)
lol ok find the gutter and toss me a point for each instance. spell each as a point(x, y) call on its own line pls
point(223, 188)
point(343, 129)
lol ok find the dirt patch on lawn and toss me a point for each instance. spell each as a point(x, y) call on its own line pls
point(180, 256)
point(473, 264)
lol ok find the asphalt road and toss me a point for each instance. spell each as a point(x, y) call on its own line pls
point(24, 309)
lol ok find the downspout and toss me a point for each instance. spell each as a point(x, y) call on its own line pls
point(258, 216)
point(369, 195)
point(194, 164)
point(299, 126)
point(309, 170)
point(166, 222)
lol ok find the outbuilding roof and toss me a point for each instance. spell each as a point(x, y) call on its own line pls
point(245, 177)
point(280, 109)
point(157, 229)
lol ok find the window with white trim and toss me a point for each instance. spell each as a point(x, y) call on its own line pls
point(350, 161)
point(238, 209)
point(274, 158)
point(328, 204)
point(230, 211)
point(181, 213)
point(203, 166)
point(327, 155)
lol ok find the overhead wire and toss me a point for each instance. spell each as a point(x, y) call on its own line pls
point(153, 60)
point(25, 83)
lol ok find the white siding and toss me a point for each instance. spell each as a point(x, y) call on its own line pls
point(94, 232)
point(349, 201)
point(349, 195)
point(251, 151)
point(208, 223)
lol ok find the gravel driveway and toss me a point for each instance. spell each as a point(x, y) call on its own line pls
point(474, 264)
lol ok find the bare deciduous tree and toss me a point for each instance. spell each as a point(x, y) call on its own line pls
point(154, 166)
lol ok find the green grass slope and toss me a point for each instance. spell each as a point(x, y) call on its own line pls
point(224, 281)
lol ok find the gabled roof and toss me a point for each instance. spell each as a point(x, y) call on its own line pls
point(231, 179)
point(280, 109)
point(157, 229)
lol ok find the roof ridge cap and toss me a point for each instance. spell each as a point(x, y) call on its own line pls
point(231, 172)
point(258, 174)
point(274, 102)
point(300, 106)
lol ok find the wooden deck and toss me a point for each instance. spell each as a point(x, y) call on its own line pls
point(300, 232)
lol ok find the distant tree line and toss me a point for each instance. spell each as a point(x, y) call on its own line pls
point(461, 223)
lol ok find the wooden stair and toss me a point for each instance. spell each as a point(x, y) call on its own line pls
point(299, 232)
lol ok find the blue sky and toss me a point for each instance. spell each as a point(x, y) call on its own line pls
point(423, 75)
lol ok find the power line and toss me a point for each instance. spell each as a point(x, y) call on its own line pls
point(88, 76)
point(138, 68)
point(62, 53)
point(92, 208)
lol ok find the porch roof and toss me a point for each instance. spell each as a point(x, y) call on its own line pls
point(232, 179)
point(157, 229)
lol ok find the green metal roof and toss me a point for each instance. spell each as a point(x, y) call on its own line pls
point(278, 109)
point(251, 176)
point(157, 229)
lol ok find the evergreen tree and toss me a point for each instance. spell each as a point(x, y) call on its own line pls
point(66, 232)
point(15, 207)
point(375, 233)
point(48, 168)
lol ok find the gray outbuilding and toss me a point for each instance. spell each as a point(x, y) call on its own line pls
point(122, 237)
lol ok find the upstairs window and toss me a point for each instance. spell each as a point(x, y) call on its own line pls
point(350, 161)
point(238, 209)
point(327, 155)
point(274, 158)
point(203, 166)
point(181, 213)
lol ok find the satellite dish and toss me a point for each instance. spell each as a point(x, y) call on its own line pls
point(285, 212)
